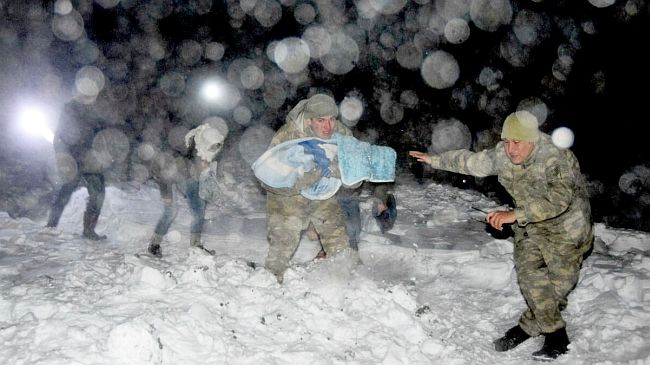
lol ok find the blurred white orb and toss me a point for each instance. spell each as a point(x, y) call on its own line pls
point(536, 107)
point(304, 13)
point(107, 4)
point(292, 54)
point(409, 55)
point(440, 70)
point(69, 26)
point(562, 137)
point(601, 3)
point(140, 173)
point(351, 108)
point(62, 7)
point(319, 41)
point(391, 112)
point(146, 151)
point(457, 31)
point(387, 6)
point(89, 81)
point(214, 51)
point(252, 77)
point(342, 56)
point(242, 115)
point(450, 134)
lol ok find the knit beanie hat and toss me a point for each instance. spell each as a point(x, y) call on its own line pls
point(320, 105)
point(520, 126)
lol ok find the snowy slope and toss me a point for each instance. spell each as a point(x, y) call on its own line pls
point(437, 289)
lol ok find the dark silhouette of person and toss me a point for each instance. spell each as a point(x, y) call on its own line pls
point(79, 163)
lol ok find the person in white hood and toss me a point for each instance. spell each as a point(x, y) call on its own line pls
point(203, 143)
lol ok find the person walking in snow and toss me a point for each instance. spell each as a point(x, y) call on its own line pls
point(184, 170)
point(551, 220)
point(79, 163)
point(288, 212)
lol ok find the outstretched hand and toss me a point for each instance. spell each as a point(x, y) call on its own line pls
point(498, 218)
point(420, 156)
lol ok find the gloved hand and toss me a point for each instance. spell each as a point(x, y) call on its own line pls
point(312, 147)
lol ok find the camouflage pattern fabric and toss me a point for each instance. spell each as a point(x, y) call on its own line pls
point(553, 229)
point(547, 271)
point(289, 213)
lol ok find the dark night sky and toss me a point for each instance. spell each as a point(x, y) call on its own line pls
point(602, 100)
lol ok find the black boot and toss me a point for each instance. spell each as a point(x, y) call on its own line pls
point(195, 241)
point(513, 338)
point(154, 246)
point(555, 344)
point(95, 186)
point(90, 221)
point(93, 236)
point(155, 250)
point(53, 220)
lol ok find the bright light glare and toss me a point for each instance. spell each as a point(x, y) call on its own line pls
point(34, 121)
point(212, 91)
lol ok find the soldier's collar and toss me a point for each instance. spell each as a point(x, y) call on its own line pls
point(533, 156)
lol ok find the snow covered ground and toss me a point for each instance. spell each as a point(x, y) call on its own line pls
point(436, 290)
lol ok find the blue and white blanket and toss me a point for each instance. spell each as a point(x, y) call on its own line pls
point(360, 161)
point(283, 164)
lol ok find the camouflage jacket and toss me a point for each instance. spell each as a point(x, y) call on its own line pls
point(548, 189)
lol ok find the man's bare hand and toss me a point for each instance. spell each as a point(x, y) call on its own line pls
point(420, 156)
point(498, 218)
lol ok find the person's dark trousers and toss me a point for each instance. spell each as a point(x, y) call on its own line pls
point(196, 204)
point(96, 192)
point(169, 209)
point(352, 213)
point(61, 199)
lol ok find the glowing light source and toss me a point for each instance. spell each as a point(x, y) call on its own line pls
point(212, 91)
point(34, 121)
point(220, 94)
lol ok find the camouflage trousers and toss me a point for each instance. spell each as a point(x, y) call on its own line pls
point(289, 216)
point(548, 269)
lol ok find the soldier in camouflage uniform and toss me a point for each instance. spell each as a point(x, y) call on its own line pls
point(288, 212)
point(553, 229)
